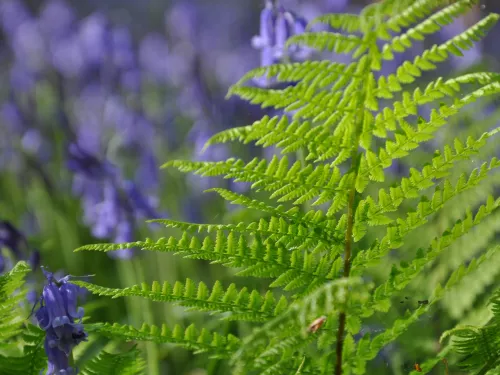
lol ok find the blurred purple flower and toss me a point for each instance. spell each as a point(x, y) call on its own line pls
point(94, 37)
point(199, 135)
point(12, 14)
point(21, 78)
point(147, 172)
point(111, 205)
point(12, 117)
point(67, 55)
point(471, 56)
point(122, 48)
point(80, 161)
point(56, 18)
point(130, 79)
point(13, 240)
point(28, 45)
point(153, 56)
point(277, 25)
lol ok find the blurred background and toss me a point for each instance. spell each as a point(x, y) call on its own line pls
point(95, 95)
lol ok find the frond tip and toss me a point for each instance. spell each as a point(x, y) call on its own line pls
point(127, 363)
point(190, 338)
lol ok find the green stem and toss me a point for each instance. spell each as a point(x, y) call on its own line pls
point(152, 352)
point(347, 270)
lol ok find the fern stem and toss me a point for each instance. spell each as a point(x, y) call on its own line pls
point(347, 270)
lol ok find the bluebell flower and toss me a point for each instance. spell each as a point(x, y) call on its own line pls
point(123, 56)
point(13, 13)
point(14, 241)
point(60, 317)
point(154, 55)
point(277, 25)
point(82, 162)
point(56, 18)
point(28, 45)
point(266, 39)
point(67, 55)
point(111, 204)
point(95, 39)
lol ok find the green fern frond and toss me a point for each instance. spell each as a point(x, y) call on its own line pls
point(464, 295)
point(371, 213)
point(241, 303)
point(392, 240)
point(333, 42)
point(317, 73)
point(278, 229)
point(368, 350)
point(11, 295)
point(322, 226)
point(289, 135)
point(381, 17)
point(191, 338)
point(33, 358)
point(126, 363)
point(431, 25)
point(293, 270)
point(287, 182)
point(289, 329)
point(479, 344)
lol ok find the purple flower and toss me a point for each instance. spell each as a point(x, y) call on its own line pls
point(12, 15)
point(153, 56)
point(266, 40)
point(80, 161)
point(142, 205)
point(94, 37)
point(56, 18)
point(111, 205)
point(122, 48)
point(12, 117)
point(13, 240)
point(67, 55)
point(277, 25)
point(58, 362)
point(29, 46)
point(60, 317)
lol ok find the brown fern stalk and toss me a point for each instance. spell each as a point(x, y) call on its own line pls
point(347, 270)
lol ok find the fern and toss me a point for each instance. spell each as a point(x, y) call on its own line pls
point(11, 295)
point(31, 360)
point(329, 215)
point(127, 363)
point(198, 340)
point(480, 345)
point(242, 304)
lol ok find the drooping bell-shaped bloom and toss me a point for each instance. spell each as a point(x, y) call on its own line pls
point(60, 317)
point(12, 14)
point(13, 240)
point(122, 48)
point(58, 362)
point(154, 56)
point(266, 39)
point(95, 39)
point(277, 25)
point(111, 204)
point(56, 18)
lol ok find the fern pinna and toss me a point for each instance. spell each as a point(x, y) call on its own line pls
point(331, 214)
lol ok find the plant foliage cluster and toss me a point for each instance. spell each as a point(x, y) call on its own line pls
point(330, 215)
